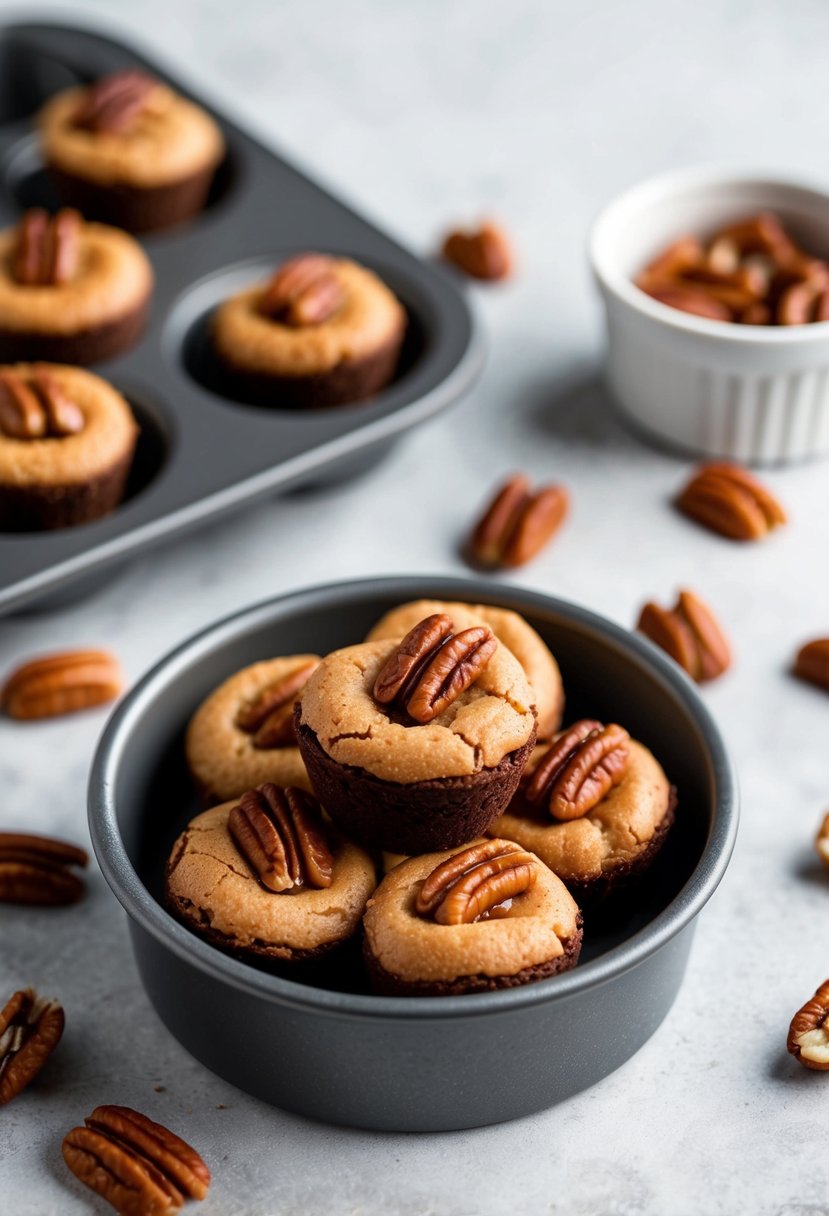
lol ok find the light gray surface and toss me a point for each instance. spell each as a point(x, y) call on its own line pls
point(421, 113)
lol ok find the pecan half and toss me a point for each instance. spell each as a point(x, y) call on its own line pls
point(476, 884)
point(729, 500)
point(695, 300)
point(281, 835)
point(138, 1166)
point(518, 523)
point(483, 254)
point(38, 870)
point(822, 840)
point(304, 291)
point(47, 248)
point(580, 767)
point(61, 684)
point(30, 1030)
point(690, 634)
point(269, 717)
point(812, 663)
point(36, 407)
point(112, 103)
point(432, 666)
point(808, 1039)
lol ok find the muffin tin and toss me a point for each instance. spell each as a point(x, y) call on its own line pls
point(204, 451)
point(326, 1047)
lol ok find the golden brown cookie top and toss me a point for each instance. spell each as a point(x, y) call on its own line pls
point(614, 833)
point(417, 947)
point(491, 718)
point(167, 140)
point(208, 874)
point(511, 629)
point(106, 433)
point(368, 318)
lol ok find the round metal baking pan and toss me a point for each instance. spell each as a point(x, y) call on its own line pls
point(338, 1053)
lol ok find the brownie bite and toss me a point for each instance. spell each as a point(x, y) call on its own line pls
point(70, 292)
point(417, 745)
point(67, 440)
point(267, 877)
point(129, 150)
point(488, 916)
point(323, 331)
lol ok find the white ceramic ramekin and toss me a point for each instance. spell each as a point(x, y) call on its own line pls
point(758, 394)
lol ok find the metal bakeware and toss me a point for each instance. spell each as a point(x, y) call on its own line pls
point(335, 1052)
point(202, 450)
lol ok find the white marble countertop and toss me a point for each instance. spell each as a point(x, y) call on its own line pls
point(422, 114)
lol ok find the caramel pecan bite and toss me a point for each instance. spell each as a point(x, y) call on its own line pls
point(580, 767)
point(808, 1039)
point(432, 666)
point(39, 870)
point(479, 883)
point(62, 683)
point(269, 717)
point(727, 499)
point(112, 104)
point(304, 291)
point(138, 1166)
point(36, 407)
point(812, 663)
point(47, 248)
point(282, 836)
point(690, 634)
point(30, 1030)
point(518, 523)
point(482, 254)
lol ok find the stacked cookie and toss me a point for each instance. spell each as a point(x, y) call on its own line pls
point(431, 751)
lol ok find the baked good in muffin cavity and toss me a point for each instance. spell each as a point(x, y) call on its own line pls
point(130, 150)
point(487, 916)
point(67, 440)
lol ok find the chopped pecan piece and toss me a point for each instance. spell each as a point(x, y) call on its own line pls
point(690, 634)
point(269, 717)
point(281, 834)
point(61, 684)
point(812, 663)
point(808, 1039)
point(518, 523)
point(30, 1030)
point(304, 291)
point(482, 254)
point(478, 883)
point(580, 767)
point(36, 407)
point(112, 103)
point(46, 253)
point(37, 870)
point(432, 666)
point(138, 1166)
point(822, 840)
point(729, 500)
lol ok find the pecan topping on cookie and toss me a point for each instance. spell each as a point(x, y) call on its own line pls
point(30, 1030)
point(483, 254)
point(62, 683)
point(112, 103)
point(36, 407)
point(37, 870)
point(690, 634)
point(580, 767)
point(518, 523)
point(432, 666)
point(281, 834)
point(304, 291)
point(46, 253)
point(808, 1039)
point(269, 717)
point(812, 663)
point(138, 1166)
point(727, 499)
point(476, 884)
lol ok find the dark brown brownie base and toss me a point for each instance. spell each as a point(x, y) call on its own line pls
point(45, 508)
point(131, 208)
point(385, 983)
point(345, 384)
point(423, 817)
point(82, 348)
